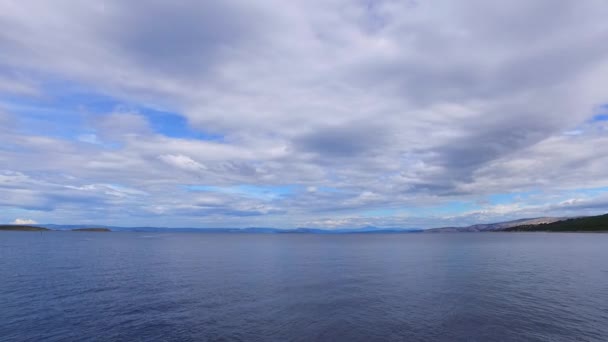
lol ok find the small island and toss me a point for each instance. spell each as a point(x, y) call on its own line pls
point(28, 228)
point(21, 228)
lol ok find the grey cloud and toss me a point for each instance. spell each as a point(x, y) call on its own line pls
point(349, 140)
point(469, 153)
point(24, 198)
point(180, 39)
point(517, 22)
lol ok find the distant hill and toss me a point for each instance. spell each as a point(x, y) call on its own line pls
point(10, 227)
point(579, 224)
point(499, 226)
point(99, 230)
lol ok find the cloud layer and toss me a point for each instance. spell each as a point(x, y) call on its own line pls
point(303, 113)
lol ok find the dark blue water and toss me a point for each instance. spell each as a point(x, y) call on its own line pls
point(243, 287)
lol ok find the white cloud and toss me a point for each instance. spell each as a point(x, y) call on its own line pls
point(89, 138)
point(182, 162)
point(20, 221)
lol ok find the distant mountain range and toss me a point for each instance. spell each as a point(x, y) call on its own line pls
point(588, 223)
point(251, 230)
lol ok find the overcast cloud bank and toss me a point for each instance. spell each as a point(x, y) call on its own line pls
point(302, 113)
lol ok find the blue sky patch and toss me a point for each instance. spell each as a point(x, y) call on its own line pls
point(592, 191)
point(71, 110)
point(174, 125)
point(600, 117)
point(248, 190)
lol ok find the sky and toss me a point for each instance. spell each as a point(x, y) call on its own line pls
point(330, 114)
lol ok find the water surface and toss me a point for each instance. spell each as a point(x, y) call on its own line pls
point(66, 286)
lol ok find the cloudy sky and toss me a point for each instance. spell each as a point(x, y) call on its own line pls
point(332, 113)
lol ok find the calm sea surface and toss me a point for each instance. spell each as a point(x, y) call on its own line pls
point(67, 286)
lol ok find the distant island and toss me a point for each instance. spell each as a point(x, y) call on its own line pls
point(22, 228)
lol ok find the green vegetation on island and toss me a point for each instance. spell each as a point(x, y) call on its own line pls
point(26, 228)
point(98, 230)
point(21, 228)
point(580, 224)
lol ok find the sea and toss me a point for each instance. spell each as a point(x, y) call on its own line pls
point(128, 286)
